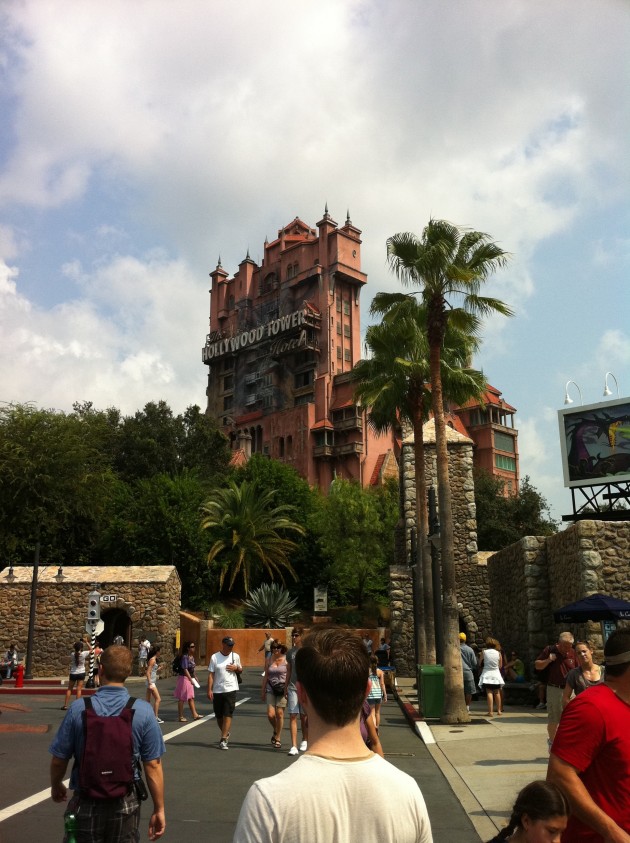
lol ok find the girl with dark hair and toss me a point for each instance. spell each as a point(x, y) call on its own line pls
point(185, 690)
point(539, 815)
point(153, 666)
point(369, 732)
point(76, 671)
point(377, 693)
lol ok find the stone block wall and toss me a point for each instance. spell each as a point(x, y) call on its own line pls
point(147, 598)
point(401, 620)
point(587, 558)
point(519, 588)
point(532, 578)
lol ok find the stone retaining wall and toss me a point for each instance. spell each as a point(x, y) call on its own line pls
point(147, 601)
point(531, 578)
point(519, 589)
point(401, 620)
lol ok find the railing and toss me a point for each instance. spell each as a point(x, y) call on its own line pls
point(353, 423)
point(350, 448)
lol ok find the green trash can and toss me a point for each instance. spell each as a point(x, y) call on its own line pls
point(431, 685)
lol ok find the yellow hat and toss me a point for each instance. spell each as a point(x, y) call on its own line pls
point(462, 636)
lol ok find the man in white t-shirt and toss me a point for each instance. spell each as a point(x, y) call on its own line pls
point(337, 786)
point(223, 685)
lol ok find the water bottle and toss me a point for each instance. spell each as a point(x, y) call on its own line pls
point(70, 826)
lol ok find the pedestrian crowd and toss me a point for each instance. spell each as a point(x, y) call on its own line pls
point(328, 681)
point(586, 798)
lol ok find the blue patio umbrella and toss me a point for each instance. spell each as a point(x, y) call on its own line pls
point(597, 607)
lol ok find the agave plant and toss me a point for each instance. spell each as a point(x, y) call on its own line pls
point(270, 606)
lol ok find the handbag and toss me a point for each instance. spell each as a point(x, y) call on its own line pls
point(239, 678)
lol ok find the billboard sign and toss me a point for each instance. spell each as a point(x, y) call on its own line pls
point(595, 443)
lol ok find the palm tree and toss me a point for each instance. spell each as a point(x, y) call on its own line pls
point(447, 262)
point(393, 383)
point(249, 533)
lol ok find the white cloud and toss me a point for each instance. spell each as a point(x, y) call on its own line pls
point(202, 127)
point(134, 335)
point(614, 351)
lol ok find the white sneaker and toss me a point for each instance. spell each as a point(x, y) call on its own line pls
point(223, 744)
point(294, 751)
point(159, 720)
point(303, 746)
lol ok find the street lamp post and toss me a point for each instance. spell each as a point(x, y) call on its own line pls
point(415, 591)
point(28, 671)
point(436, 577)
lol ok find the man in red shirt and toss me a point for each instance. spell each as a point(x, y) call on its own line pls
point(556, 660)
point(590, 756)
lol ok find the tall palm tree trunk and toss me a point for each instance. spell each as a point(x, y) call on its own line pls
point(419, 579)
point(422, 520)
point(454, 702)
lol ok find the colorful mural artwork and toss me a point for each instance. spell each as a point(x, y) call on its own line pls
point(595, 443)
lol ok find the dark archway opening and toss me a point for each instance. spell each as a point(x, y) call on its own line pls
point(117, 622)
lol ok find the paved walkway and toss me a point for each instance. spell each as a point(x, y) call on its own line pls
point(205, 787)
point(469, 774)
point(487, 761)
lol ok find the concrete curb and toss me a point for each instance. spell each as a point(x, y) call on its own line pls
point(482, 823)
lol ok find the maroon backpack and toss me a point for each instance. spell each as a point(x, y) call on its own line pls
point(106, 770)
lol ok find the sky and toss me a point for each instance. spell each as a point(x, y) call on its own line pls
point(142, 139)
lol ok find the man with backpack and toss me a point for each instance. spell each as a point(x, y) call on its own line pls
point(109, 735)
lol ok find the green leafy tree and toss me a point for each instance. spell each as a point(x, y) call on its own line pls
point(355, 532)
point(54, 480)
point(249, 533)
point(447, 264)
point(504, 519)
point(156, 522)
point(292, 490)
point(148, 443)
point(154, 441)
point(202, 447)
point(393, 384)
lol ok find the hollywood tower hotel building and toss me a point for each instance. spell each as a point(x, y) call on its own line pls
point(283, 339)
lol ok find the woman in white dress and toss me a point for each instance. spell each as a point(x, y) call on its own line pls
point(491, 681)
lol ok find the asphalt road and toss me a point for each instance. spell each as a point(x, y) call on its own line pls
point(204, 785)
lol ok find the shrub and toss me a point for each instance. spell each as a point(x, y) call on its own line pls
point(270, 606)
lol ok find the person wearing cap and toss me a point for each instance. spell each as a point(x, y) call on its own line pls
point(590, 755)
point(335, 789)
point(223, 685)
point(469, 665)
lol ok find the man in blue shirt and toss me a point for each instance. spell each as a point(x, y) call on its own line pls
point(110, 820)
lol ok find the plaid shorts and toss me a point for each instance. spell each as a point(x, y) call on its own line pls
point(106, 820)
